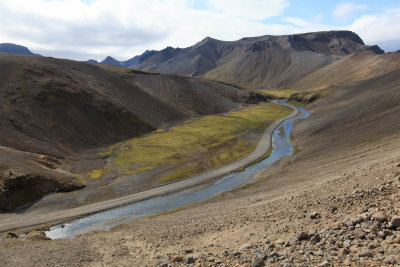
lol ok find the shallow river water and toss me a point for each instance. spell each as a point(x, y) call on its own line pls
point(110, 218)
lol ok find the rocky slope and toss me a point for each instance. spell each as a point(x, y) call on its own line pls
point(257, 62)
point(351, 68)
point(57, 108)
point(336, 203)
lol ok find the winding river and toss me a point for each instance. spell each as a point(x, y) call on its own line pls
point(110, 218)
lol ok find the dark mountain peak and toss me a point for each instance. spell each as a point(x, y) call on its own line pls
point(147, 54)
point(328, 36)
point(14, 49)
point(207, 40)
point(131, 62)
point(331, 42)
point(92, 61)
point(374, 48)
point(111, 61)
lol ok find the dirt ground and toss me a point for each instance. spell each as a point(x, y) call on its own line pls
point(336, 203)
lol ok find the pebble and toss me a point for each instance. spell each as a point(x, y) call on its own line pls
point(258, 263)
point(177, 259)
point(395, 222)
point(245, 247)
point(302, 236)
point(379, 216)
point(365, 253)
point(314, 215)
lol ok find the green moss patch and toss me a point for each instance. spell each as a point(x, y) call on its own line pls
point(197, 145)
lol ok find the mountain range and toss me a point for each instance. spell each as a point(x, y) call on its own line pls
point(266, 62)
point(56, 114)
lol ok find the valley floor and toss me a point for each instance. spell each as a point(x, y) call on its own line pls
point(343, 202)
point(336, 203)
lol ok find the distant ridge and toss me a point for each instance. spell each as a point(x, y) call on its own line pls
point(124, 64)
point(14, 49)
point(254, 62)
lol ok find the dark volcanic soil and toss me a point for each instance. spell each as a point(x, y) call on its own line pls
point(337, 203)
point(65, 110)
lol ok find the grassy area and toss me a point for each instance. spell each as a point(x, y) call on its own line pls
point(198, 145)
point(279, 93)
point(125, 70)
point(98, 173)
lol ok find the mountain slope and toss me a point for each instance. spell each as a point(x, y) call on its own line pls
point(71, 104)
point(14, 49)
point(351, 68)
point(258, 62)
point(52, 111)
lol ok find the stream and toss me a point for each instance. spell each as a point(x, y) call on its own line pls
point(110, 218)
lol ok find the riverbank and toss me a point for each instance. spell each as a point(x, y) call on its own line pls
point(242, 226)
point(346, 166)
point(32, 219)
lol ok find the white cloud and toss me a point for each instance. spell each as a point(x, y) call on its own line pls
point(344, 10)
point(125, 28)
point(297, 21)
point(383, 29)
point(250, 9)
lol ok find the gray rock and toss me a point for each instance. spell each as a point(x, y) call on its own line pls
point(190, 259)
point(379, 216)
point(371, 236)
point(319, 253)
point(273, 254)
point(365, 253)
point(302, 236)
point(315, 215)
point(395, 222)
point(177, 259)
point(359, 233)
point(245, 247)
point(389, 260)
point(387, 232)
point(258, 263)
point(315, 239)
point(347, 243)
point(324, 263)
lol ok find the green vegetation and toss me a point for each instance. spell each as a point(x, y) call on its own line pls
point(279, 93)
point(126, 70)
point(197, 145)
point(98, 173)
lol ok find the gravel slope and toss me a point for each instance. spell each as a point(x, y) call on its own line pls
point(27, 219)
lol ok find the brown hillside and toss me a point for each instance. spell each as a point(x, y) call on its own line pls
point(53, 109)
point(354, 67)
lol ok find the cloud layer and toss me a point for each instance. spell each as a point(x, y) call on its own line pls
point(344, 11)
point(124, 28)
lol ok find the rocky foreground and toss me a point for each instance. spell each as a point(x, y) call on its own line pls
point(369, 234)
point(350, 220)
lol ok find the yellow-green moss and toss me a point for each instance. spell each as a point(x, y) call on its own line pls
point(279, 93)
point(198, 144)
point(98, 173)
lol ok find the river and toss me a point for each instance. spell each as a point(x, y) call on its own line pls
point(110, 218)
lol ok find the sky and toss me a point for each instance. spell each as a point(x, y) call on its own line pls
point(94, 29)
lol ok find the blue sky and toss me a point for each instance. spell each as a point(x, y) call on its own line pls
point(83, 29)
